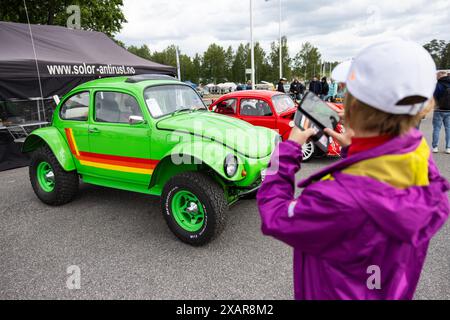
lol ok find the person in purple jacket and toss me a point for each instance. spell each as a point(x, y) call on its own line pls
point(361, 227)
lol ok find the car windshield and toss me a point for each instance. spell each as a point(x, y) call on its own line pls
point(282, 103)
point(168, 99)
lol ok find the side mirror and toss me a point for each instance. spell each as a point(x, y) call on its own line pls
point(134, 120)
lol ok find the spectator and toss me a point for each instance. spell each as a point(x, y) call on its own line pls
point(442, 113)
point(280, 86)
point(315, 86)
point(361, 227)
point(297, 89)
point(341, 92)
point(332, 93)
point(325, 88)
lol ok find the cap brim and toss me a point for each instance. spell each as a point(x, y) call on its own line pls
point(340, 73)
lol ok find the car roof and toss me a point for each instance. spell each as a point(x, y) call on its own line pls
point(251, 94)
point(128, 83)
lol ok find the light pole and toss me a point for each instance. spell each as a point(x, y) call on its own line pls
point(280, 39)
point(281, 48)
point(252, 45)
point(178, 63)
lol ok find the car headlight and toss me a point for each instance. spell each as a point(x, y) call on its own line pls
point(231, 165)
point(278, 139)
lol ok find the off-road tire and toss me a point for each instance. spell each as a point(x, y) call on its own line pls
point(211, 195)
point(66, 182)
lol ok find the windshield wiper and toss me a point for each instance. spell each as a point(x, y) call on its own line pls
point(199, 108)
point(193, 109)
point(181, 110)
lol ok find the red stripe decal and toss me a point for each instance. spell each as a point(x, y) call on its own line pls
point(69, 140)
point(119, 158)
point(117, 163)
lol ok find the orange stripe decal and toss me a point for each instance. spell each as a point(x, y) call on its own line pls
point(110, 162)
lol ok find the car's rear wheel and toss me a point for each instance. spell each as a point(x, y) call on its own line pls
point(308, 150)
point(51, 183)
point(194, 207)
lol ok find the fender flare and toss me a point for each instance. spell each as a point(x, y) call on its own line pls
point(54, 139)
point(210, 154)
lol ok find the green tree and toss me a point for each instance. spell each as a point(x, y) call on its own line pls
point(213, 63)
point(99, 15)
point(168, 56)
point(437, 49)
point(197, 68)
point(142, 51)
point(229, 59)
point(240, 63)
point(262, 67)
point(307, 62)
point(274, 59)
point(187, 68)
point(445, 59)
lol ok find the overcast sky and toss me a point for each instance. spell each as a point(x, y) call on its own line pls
point(340, 28)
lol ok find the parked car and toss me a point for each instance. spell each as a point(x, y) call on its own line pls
point(150, 134)
point(272, 110)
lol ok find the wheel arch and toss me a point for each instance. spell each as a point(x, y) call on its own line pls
point(166, 169)
point(52, 137)
point(195, 156)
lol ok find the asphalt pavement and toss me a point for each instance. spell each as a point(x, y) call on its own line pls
point(124, 250)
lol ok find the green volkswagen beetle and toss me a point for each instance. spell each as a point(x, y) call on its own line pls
point(150, 134)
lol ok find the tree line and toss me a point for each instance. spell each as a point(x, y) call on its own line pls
point(218, 64)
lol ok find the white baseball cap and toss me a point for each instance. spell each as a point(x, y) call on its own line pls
point(384, 74)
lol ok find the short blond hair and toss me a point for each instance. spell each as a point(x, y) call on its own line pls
point(362, 117)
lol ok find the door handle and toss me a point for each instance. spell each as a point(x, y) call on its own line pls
point(93, 130)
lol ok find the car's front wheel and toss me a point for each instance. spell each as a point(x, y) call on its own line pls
point(194, 207)
point(308, 150)
point(51, 183)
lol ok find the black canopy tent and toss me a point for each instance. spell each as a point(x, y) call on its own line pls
point(65, 58)
point(40, 61)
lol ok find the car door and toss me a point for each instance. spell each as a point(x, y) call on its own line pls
point(118, 149)
point(73, 116)
point(227, 107)
point(258, 112)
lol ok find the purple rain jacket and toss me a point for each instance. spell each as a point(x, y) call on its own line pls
point(379, 207)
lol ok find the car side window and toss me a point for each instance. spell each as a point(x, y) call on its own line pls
point(226, 107)
point(76, 107)
point(255, 107)
point(115, 107)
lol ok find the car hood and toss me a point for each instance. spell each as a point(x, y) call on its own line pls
point(242, 137)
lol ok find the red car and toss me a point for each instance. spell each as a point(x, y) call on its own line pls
point(272, 110)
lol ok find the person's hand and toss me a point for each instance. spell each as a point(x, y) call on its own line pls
point(344, 139)
point(300, 136)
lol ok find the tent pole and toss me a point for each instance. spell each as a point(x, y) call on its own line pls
point(38, 110)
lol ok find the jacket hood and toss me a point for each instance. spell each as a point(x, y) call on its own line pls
point(242, 137)
point(397, 185)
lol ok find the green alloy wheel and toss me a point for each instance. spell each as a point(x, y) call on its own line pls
point(188, 211)
point(45, 176)
point(194, 207)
